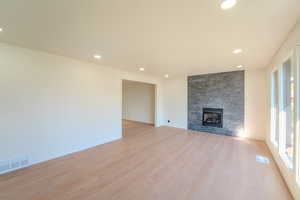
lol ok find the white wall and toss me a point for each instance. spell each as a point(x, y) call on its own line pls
point(292, 40)
point(52, 105)
point(138, 101)
point(255, 104)
point(175, 103)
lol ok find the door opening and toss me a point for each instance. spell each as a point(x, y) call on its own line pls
point(138, 107)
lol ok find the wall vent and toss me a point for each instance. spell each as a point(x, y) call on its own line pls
point(10, 165)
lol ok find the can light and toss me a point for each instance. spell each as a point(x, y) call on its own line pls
point(237, 51)
point(96, 56)
point(226, 4)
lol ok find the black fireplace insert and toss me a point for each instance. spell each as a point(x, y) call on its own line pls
point(212, 117)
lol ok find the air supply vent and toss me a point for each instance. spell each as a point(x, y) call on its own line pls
point(10, 165)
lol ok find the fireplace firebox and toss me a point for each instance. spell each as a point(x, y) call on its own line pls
point(212, 117)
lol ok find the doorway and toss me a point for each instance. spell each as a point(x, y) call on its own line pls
point(138, 107)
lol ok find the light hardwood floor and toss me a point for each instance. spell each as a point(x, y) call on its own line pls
point(153, 164)
point(131, 128)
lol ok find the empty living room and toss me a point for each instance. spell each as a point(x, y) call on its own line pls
point(150, 100)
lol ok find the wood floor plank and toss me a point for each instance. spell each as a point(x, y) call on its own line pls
point(153, 163)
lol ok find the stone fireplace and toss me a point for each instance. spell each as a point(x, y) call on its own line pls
point(216, 103)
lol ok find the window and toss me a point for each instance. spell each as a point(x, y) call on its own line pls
point(275, 109)
point(288, 112)
point(285, 112)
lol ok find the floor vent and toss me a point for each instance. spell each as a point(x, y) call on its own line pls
point(10, 165)
point(262, 159)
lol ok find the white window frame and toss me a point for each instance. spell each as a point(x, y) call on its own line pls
point(294, 166)
point(282, 117)
point(273, 112)
point(297, 114)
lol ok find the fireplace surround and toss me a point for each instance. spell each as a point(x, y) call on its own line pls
point(221, 95)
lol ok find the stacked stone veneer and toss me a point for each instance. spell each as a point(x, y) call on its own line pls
point(220, 90)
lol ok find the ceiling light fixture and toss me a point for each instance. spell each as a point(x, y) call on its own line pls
point(166, 75)
point(96, 56)
point(237, 51)
point(142, 69)
point(226, 4)
point(240, 66)
point(1, 29)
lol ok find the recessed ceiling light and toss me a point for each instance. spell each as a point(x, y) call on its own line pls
point(239, 66)
point(142, 69)
point(166, 75)
point(226, 4)
point(96, 56)
point(237, 51)
point(1, 29)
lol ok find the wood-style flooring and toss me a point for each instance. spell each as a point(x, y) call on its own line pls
point(131, 128)
point(154, 164)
